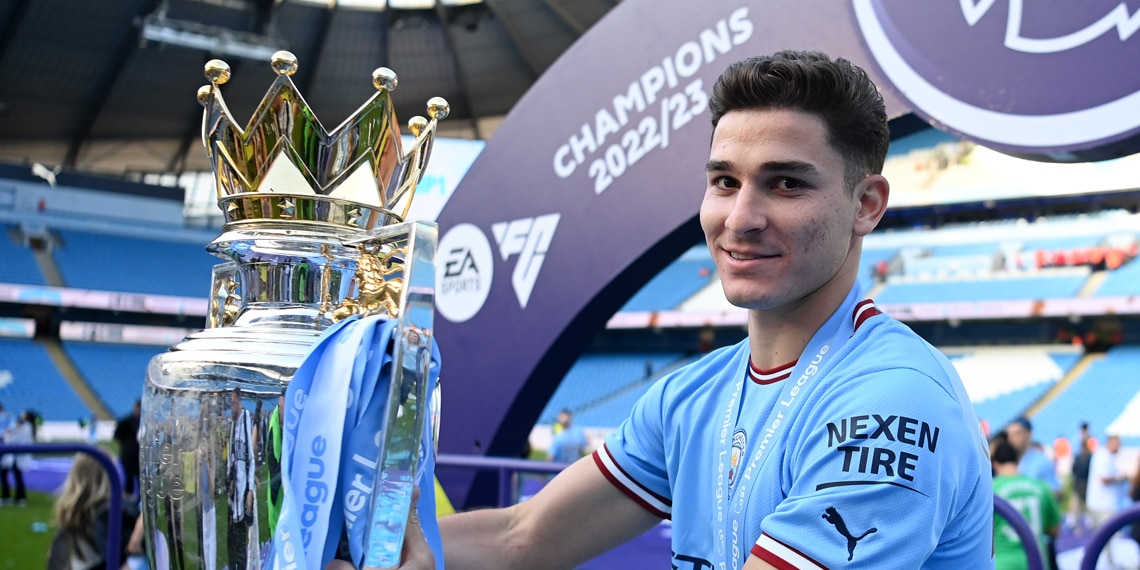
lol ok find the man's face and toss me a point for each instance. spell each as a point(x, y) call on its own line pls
point(563, 419)
point(776, 215)
point(1113, 444)
point(1019, 437)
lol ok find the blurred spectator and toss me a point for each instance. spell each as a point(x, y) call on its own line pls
point(569, 443)
point(1134, 494)
point(23, 432)
point(1034, 463)
point(127, 436)
point(1107, 485)
point(81, 515)
point(1080, 483)
point(7, 420)
point(1032, 498)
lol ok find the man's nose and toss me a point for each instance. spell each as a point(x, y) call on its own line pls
point(748, 212)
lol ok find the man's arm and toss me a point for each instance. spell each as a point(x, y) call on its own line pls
point(575, 517)
point(754, 563)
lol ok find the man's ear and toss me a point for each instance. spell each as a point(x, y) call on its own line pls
point(872, 193)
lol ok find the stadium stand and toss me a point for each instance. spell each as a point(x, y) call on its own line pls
point(612, 410)
point(676, 283)
point(19, 263)
point(596, 377)
point(1121, 282)
point(1099, 395)
point(1005, 288)
point(107, 262)
point(30, 380)
point(1003, 382)
point(116, 372)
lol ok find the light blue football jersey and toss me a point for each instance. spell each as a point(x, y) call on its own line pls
point(866, 454)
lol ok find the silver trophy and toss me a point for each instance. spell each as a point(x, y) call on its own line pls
point(314, 234)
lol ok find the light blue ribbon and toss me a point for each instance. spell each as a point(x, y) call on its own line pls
point(334, 417)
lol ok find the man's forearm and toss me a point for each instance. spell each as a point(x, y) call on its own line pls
point(480, 539)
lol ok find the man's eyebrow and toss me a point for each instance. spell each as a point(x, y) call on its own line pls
point(789, 166)
point(714, 165)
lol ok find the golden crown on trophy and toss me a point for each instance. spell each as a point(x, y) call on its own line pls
point(284, 166)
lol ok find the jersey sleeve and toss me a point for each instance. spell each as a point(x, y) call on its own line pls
point(881, 469)
point(633, 457)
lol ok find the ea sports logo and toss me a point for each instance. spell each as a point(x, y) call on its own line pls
point(1047, 76)
point(464, 273)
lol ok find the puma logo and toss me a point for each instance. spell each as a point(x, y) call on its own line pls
point(832, 516)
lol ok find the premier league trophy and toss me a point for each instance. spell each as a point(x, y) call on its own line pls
point(292, 427)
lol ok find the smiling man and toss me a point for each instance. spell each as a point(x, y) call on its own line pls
point(833, 436)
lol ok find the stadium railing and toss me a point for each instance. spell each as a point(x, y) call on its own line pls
point(1103, 535)
point(508, 466)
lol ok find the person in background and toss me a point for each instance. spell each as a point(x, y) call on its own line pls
point(22, 432)
point(127, 436)
point(81, 515)
point(1032, 498)
point(570, 442)
point(1107, 486)
point(7, 420)
point(1134, 494)
point(1080, 482)
point(1034, 463)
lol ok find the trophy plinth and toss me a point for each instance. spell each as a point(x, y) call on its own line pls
point(314, 235)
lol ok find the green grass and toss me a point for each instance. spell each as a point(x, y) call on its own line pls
point(24, 548)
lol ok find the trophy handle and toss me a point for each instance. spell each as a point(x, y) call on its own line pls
point(408, 405)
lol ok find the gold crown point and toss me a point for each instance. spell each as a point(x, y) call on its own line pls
point(417, 124)
point(204, 93)
point(438, 108)
point(217, 71)
point(384, 79)
point(283, 63)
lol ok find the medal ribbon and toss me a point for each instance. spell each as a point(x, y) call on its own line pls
point(836, 331)
point(335, 413)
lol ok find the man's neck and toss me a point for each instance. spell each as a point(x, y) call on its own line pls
point(1008, 469)
point(778, 336)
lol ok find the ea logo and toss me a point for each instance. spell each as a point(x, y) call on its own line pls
point(1042, 77)
point(464, 272)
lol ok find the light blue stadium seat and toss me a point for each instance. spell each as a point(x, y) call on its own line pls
point(676, 283)
point(1099, 396)
point(1025, 288)
point(595, 377)
point(116, 263)
point(30, 380)
point(18, 264)
point(1123, 281)
point(116, 372)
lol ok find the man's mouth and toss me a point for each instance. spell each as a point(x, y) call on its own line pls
point(747, 256)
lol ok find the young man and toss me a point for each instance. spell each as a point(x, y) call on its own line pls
point(832, 436)
point(1033, 498)
point(1034, 463)
point(569, 442)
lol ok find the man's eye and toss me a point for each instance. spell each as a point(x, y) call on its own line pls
point(786, 183)
point(724, 182)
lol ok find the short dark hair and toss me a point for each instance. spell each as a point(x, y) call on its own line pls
point(1024, 423)
point(837, 91)
point(1004, 453)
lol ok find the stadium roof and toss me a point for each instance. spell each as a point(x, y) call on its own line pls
point(109, 86)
